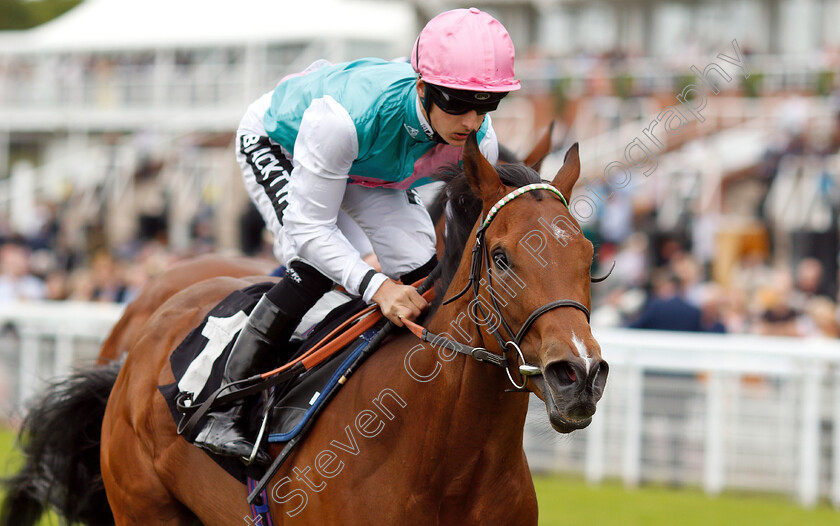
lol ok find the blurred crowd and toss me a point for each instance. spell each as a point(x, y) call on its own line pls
point(656, 281)
point(782, 281)
point(47, 266)
point(28, 273)
point(678, 294)
point(662, 278)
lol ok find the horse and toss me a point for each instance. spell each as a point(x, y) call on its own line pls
point(163, 286)
point(420, 434)
point(189, 272)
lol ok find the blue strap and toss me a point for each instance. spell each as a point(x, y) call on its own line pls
point(261, 513)
point(332, 383)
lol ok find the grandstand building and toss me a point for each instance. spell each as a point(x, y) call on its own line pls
point(661, 28)
point(113, 89)
point(127, 109)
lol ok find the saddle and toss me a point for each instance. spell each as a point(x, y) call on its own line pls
point(198, 365)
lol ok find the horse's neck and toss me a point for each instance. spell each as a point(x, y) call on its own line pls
point(486, 409)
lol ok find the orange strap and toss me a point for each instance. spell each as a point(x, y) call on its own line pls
point(321, 343)
point(314, 358)
point(415, 329)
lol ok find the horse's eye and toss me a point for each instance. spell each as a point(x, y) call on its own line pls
point(500, 259)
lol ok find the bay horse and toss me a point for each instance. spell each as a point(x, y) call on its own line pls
point(418, 435)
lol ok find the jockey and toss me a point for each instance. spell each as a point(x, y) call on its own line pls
point(349, 143)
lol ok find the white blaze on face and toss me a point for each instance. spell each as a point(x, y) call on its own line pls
point(581, 349)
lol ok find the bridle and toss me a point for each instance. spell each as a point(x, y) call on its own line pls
point(481, 254)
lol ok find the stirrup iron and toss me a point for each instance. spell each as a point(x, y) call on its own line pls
point(250, 459)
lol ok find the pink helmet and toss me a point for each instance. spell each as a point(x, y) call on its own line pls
point(465, 49)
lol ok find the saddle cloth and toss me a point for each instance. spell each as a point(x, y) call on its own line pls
point(199, 360)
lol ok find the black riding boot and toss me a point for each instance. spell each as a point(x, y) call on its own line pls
point(257, 349)
point(252, 353)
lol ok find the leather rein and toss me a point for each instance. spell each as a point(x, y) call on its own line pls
point(481, 255)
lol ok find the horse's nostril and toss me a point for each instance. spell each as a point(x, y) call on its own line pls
point(562, 374)
point(570, 372)
point(599, 379)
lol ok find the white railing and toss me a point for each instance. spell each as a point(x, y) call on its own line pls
point(43, 340)
point(717, 411)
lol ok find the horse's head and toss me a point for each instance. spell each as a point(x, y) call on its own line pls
point(531, 274)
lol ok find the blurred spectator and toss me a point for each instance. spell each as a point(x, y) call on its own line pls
point(735, 313)
point(57, 286)
point(667, 310)
point(107, 280)
point(632, 261)
point(712, 301)
point(81, 285)
point(809, 282)
point(775, 315)
point(617, 306)
point(135, 278)
point(821, 318)
point(17, 283)
point(752, 272)
point(689, 274)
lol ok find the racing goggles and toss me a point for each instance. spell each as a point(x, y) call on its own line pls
point(458, 102)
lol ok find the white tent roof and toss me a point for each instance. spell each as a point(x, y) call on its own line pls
point(102, 25)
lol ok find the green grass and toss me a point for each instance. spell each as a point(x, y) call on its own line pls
point(10, 458)
point(10, 461)
point(571, 502)
point(568, 501)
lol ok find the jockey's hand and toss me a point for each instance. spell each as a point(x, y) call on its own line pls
point(398, 301)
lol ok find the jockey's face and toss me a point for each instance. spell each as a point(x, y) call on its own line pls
point(453, 128)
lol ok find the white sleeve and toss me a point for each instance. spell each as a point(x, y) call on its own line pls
point(326, 143)
point(489, 145)
point(324, 151)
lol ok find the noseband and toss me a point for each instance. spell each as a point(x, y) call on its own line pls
point(481, 254)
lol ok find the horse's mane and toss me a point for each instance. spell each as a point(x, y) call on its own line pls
point(462, 207)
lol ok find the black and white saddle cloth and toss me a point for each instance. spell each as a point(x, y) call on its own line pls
point(198, 365)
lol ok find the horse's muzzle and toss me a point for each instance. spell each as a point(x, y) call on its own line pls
point(571, 393)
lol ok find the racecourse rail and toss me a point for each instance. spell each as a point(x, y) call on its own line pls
point(722, 412)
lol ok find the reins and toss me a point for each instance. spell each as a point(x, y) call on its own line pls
point(481, 255)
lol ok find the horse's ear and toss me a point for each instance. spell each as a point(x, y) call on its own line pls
point(483, 178)
point(568, 175)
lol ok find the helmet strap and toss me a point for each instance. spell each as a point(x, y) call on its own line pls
point(427, 105)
